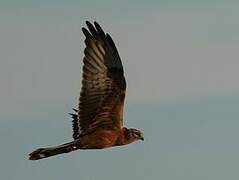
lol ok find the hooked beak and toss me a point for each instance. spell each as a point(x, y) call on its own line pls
point(142, 138)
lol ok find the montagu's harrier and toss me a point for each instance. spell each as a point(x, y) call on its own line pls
point(98, 122)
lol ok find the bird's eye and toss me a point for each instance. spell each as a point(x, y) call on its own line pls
point(136, 134)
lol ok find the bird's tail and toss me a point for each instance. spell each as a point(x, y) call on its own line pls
point(52, 151)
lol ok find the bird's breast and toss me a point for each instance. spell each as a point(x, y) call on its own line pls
point(101, 138)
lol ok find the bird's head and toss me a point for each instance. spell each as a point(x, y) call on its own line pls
point(130, 135)
point(136, 134)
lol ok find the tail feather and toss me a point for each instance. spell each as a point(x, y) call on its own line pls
point(52, 151)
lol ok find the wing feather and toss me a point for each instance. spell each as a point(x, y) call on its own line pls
point(103, 84)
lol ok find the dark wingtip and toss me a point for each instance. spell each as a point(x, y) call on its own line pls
point(75, 110)
point(99, 29)
point(91, 29)
point(86, 33)
point(73, 115)
point(87, 22)
point(96, 24)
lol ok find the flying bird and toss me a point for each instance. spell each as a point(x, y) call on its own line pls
point(98, 121)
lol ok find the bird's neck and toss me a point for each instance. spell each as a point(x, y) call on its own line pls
point(125, 137)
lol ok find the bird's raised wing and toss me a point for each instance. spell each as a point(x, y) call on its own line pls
point(103, 85)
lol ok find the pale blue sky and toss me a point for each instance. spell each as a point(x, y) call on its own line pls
point(181, 64)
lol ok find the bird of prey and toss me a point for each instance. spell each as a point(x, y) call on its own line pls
point(98, 121)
